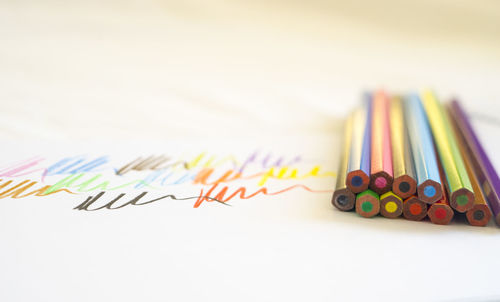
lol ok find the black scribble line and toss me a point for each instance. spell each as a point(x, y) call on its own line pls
point(185, 198)
point(486, 118)
point(135, 201)
point(149, 163)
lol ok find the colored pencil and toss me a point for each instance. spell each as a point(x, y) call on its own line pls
point(404, 184)
point(368, 203)
point(358, 170)
point(480, 213)
point(429, 187)
point(343, 199)
point(414, 208)
point(457, 179)
point(391, 205)
point(381, 176)
point(441, 212)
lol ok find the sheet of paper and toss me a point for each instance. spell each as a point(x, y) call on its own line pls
point(279, 233)
point(87, 87)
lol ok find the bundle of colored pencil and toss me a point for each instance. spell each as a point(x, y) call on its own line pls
point(414, 157)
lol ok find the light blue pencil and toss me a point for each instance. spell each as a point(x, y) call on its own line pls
point(429, 187)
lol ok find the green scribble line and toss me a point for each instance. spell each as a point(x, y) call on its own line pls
point(69, 182)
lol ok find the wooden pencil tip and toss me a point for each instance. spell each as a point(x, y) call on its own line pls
point(381, 182)
point(367, 204)
point(440, 213)
point(404, 186)
point(462, 200)
point(479, 215)
point(391, 205)
point(344, 199)
point(430, 191)
point(414, 209)
point(357, 181)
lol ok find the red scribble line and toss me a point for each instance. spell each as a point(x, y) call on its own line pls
point(242, 191)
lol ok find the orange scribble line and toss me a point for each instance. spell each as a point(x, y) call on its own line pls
point(19, 190)
point(220, 196)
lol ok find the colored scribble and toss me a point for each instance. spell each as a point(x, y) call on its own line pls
point(222, 178)
point(17, 190)
point(241, 191)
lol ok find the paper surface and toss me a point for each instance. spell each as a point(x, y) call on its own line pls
point(292, 245)
point(108, 82)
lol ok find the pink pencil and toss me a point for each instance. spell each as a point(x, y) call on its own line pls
point(381, 175)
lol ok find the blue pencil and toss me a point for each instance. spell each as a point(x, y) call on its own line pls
point(358, 171)
point(429, 187)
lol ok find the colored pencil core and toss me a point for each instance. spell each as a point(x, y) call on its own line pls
point(414, 209)
point(380, 182)
point(440, 213)
point(391, 207)
point(357, 181)
point(367, 206)
point(429, 191)
point(404, 187)
point(462, 200)
point(478, 215)
point(342, 200)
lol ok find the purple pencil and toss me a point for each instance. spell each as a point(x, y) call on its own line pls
point(486, 174)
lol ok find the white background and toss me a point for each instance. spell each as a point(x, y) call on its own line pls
point(262, 73)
